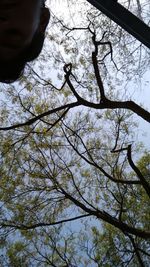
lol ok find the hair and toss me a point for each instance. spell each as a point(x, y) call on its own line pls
point(11, 71)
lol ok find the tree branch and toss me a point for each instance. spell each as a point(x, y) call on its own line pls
point(137, 171)
point(108, 218)
point(33, 226)
point(38, 117)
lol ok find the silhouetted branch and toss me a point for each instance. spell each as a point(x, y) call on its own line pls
point(137, 171)
point(38, 117)
point(108, 218)
point(37, 225)
point(93, 163)
point(141, 263)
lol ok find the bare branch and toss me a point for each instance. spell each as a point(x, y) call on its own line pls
point(108, 218)
point(137, 171)
point(38, 117)
point(33, 226)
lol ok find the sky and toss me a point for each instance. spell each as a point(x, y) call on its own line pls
point(139, 92)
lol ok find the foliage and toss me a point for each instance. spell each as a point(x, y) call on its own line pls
point(74, 184)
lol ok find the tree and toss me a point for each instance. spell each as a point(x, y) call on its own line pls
point(73, 176)
point(123, 249)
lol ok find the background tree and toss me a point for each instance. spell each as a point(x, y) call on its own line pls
point(74, 185)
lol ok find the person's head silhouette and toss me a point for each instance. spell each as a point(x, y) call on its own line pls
point(22, 30)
